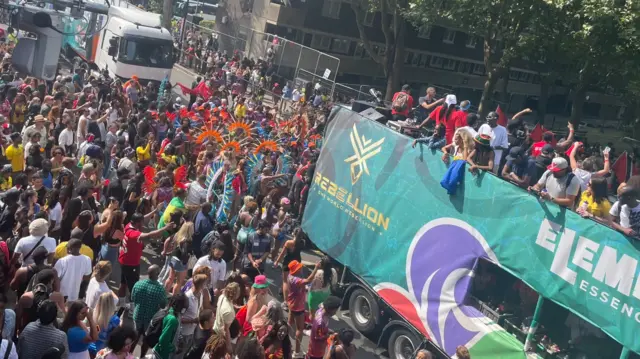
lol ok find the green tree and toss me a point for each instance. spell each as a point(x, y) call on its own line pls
point(501, 23)
point(394, 27)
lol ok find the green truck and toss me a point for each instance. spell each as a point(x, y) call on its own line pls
point(491, 267)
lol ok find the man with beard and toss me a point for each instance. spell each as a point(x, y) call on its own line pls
point(561, 185)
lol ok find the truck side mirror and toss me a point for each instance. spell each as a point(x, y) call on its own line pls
point(113, 46)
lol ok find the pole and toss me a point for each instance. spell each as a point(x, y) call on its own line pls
point(298, 65)
point(184, 22)
point(625, 353)
point(528, 344)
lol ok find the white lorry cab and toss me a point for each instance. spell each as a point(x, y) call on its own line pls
point(126, 42)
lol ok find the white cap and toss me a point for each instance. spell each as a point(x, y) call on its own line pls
point(451, 100)
point(178, 100)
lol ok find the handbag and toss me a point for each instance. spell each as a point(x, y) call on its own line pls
point(191, 262)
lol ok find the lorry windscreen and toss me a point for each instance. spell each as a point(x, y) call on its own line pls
point(145, 51)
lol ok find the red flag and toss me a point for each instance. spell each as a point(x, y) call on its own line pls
point(621, 167)
point(201, 90)
point(502, 118)
point(536, 134)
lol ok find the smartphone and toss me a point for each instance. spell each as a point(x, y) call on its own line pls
point(121, 311)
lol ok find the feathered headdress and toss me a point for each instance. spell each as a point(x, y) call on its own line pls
point(266, 145)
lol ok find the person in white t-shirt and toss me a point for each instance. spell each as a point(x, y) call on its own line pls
point(66, 139)
point(625, 212)
point(225, 312)
point(98, 284)
point(217, 265)
point(38, 230)
point(196, 194)
point(499, 137)
point(73, 270)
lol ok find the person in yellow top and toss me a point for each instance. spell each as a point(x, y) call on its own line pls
point(594, 201)
point(6, 182)
point(12, 38)
point(143, 152)
point(15, 153)
point(241, 109)
point(61, 251)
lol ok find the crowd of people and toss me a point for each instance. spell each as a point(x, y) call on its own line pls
point(96, 171)
point(563, 171)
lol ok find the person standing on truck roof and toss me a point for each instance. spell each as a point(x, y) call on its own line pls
point(401, 104)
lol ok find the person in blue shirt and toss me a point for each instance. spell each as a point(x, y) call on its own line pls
point(79, 335)
point(437, 140)
point(203, 225)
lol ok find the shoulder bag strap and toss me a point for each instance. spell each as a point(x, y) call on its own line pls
point(33, 249)
point(7, 351)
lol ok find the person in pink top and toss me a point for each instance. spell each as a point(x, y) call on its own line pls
point(296, 300)
point(320, 327)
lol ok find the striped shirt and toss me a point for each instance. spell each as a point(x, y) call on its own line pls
point(148, 296)
point(36, 339)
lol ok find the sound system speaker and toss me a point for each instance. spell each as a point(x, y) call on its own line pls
point(374, 115)
point(361, 106)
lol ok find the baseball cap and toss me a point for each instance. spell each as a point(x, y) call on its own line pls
point(515, 153)
point(451, 100)
point(547, 149)
point(558, 164)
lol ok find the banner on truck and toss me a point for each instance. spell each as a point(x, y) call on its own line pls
point(397, 228)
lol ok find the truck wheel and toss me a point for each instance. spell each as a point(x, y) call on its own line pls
point(364, 311)
point(402, 344)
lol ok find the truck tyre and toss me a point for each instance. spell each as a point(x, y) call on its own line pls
point(402, 344)
point(364, 311)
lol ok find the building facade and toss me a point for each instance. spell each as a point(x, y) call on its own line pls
point(437, 56)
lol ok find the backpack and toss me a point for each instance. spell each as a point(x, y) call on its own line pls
point(152, 334)
point(401, 102)
point(208, 240)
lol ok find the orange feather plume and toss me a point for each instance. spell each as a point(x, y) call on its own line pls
point(209, 134)
point(266, 145)
point(315, 137)
point(240, 126)
point(232, 145)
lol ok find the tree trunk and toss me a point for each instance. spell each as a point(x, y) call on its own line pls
point(504, 94)
point(578, 104)
point(487, 93)
point(167, 14)
point(543, 101)
point(395, 62)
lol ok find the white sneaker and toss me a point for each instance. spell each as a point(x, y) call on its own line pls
point(307, 332)
point(298, 355)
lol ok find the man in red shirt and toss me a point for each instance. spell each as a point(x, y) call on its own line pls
point(131, 251)
point(547, 138)
point(401, 104)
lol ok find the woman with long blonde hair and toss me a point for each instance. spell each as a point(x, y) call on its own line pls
point(461, 147)
point(106, 320)
point(179, 258)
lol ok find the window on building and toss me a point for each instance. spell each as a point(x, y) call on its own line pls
point(340, 45)
point(449, 36)
point(423, 60)
point(478, 69)
point(415, 60)
point(382, 50)
point(368, 18)
point(408, 56)
point(321, 42)
point(331, 8)
point(449, 64)
point(472, 41)
point(359, 50)
point(435, 61)
point(424, 32)
point(464, 67)
point(513, 75)
point(524, 77)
